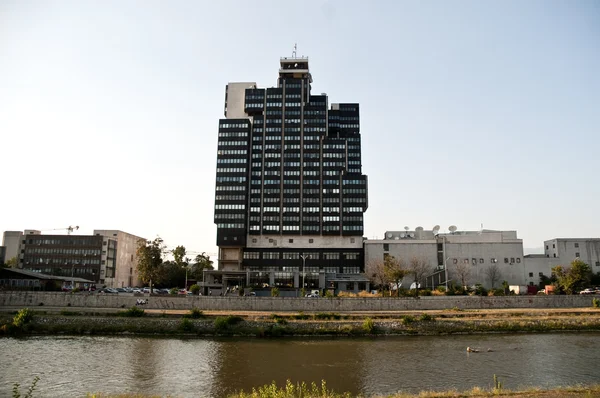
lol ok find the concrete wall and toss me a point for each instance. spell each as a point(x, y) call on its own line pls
point(126, 273)
point(32, 299)
point(236, 97)
point(536, 264)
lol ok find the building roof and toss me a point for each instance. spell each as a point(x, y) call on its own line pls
point(39, 275)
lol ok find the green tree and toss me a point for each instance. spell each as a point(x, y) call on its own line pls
point(395, 270)
point(573, 278)
point(171, 274)
point(181, 261)
point(201, 262)
point(12, 263)
point(150, 261)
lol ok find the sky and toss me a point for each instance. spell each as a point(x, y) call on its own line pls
point(472, 112)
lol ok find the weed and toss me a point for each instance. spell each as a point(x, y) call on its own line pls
point(195, 313)
point(23, 317)
point(70, 313)
point(133, 312)
point(224, 322)
point(368, 326)
point(408, 319)
point(300, 315)
point(327, 315)
point(186, 325)
point(17, 394)
point(497, 384)
point(426, 318)
point(596, 303)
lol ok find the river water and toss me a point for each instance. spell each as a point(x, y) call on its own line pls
point(73, 366)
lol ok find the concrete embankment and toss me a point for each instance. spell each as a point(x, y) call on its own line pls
point(301, 324)
point(275, 304)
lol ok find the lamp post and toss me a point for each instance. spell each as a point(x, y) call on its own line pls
point(445, 264)
point(303, 257)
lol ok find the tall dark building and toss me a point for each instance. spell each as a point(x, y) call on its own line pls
point(290, 193)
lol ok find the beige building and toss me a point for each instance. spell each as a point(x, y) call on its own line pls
point(447, 253)
point(119, 259)
point(11, 241)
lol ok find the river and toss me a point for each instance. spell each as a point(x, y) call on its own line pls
point(73, 366)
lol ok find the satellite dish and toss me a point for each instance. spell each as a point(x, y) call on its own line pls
point(389, 235)
point(402, 235)
point(436, 228)
point(406, 228)
point(412, 234)
point(452, 228)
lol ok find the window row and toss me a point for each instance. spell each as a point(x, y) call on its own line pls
point(233, 125)
point(233, 134)
point(231, 179)
point(231, 169)
point(230, 207)
point(230, 197)
point(230, 188)
point(230, 226)
point(234, 160)
point(271, 255)
point(232, 152)
point(227, 216)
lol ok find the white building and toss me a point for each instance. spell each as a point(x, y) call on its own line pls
point(480, 250)
point(562, 251)
point(11, 241)
point(119, 258)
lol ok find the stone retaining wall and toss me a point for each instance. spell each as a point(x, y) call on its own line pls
point(274, 304)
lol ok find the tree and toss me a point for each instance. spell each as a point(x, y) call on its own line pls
point(419, 268)
point(181, 260)
point(462, 272)
point(572, 278)
point(375, 271)
point(201, 262)
point(493, 274)
point(150, 261)
point(12, 263)
point(395, 270)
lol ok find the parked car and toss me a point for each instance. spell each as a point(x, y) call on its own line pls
point(146, 290)
point(121, 290)
point(589, 290)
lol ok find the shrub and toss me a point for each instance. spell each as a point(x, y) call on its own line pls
point(195, 313)
point(596, 303)
point(75, 290)
point(133, 312)
point(23, 317)
point(403, 292)
point(346, 294)
point(327, 315)
point(173, 291)
point(224, 322)
point(426, 318)
point(70, 313)
point(480, 290)
point(195, 289)
point(274, 292)
point(241, 291)
point(368, 326)
point(329, 294)
point(186, 325)
point(408, 319)
point(301, 315)
point(424, 292)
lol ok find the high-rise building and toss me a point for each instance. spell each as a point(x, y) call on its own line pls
point(290, 193)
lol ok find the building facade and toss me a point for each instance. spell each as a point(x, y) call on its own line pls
point(11, 241)
point(568, 249)
point(467, 255)
point(107, 257)
point(290, 194)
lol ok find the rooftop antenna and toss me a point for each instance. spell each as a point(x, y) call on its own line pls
point(295, 50)
point(452, 229)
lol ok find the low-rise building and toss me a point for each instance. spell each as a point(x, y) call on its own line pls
point(108, 257)
point(486, 256)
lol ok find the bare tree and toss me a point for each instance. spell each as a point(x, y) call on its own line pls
point(376, 272)
point(462, 272)
point(419, 268)
point(493, 274)
point(395, 270)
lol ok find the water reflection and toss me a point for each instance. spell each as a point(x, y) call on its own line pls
point(74, 366)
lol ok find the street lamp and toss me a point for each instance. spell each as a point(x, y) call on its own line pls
point(304, 257)
point(446, 272)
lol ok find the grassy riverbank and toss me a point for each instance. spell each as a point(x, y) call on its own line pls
point(197, 323)
point(304, 391)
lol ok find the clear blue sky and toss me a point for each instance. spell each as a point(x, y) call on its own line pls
point(471, 111)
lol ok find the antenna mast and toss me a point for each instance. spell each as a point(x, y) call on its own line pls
point(295, 50)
